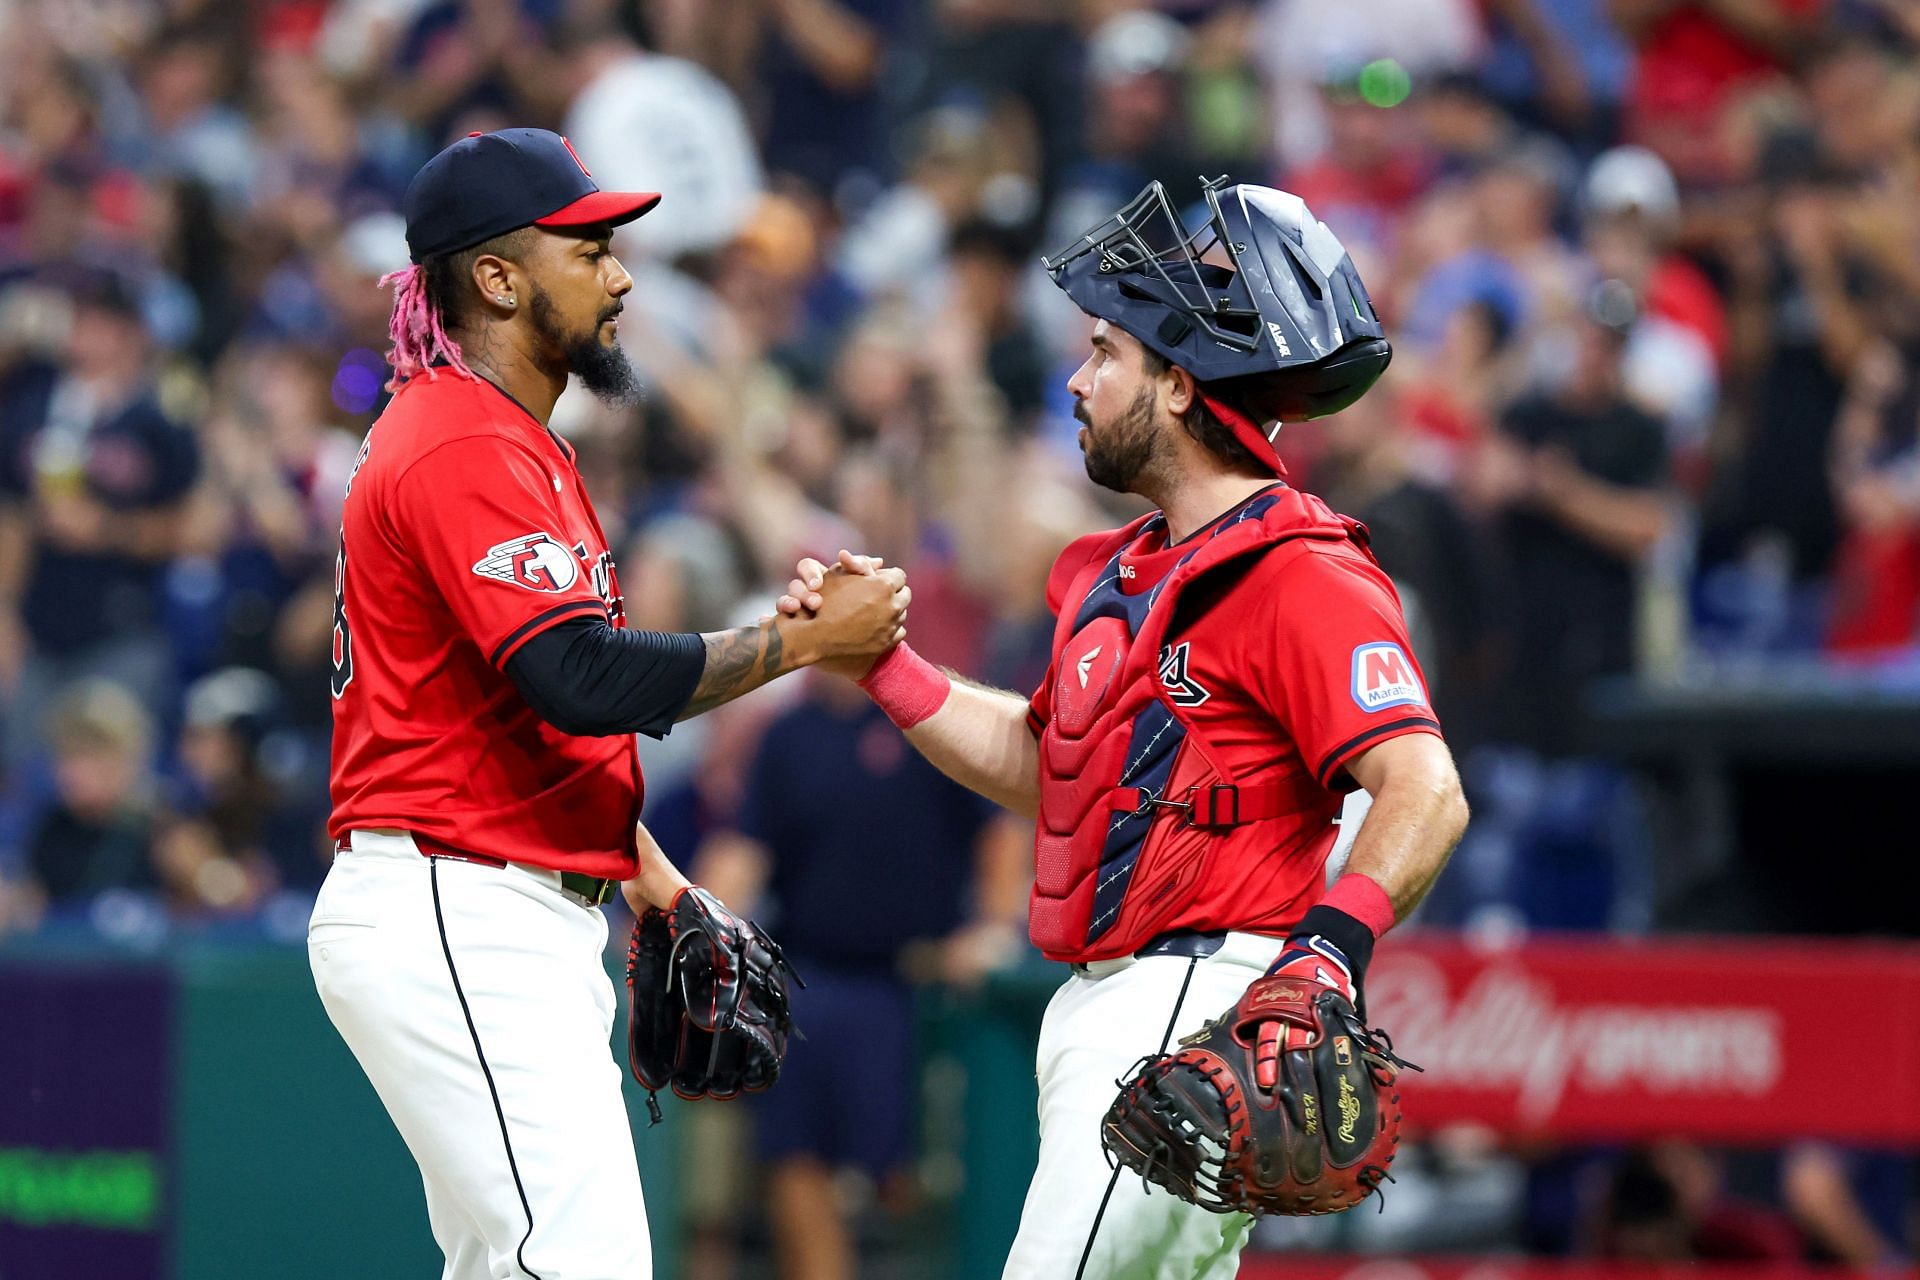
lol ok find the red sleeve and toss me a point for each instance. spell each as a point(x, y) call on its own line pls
point(479, 515)
point(1079, 553)
point(1334, 664)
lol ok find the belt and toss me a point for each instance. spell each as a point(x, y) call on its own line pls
point(1181, 942)
point(588, 891)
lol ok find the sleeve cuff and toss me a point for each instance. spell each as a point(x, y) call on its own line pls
point(540, 622)
point(1335, 761)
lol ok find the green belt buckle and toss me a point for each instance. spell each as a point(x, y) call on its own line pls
point(595, 890)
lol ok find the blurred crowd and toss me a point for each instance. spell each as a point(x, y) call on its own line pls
point(1651, 269)
point(1649, 266)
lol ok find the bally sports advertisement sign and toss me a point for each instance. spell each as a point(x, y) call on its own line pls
point(1606, 1040)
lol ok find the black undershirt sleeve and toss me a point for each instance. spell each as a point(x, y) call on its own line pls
point(590, 679)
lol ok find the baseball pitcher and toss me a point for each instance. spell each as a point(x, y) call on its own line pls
point(486, 790)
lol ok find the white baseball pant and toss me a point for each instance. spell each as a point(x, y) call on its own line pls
point(476, 1000)
point(1084, 1218)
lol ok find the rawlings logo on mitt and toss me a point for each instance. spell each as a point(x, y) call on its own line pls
point(709, 1016)
point(1317, 1140)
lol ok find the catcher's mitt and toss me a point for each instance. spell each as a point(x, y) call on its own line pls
point(1198, 1123)
point(709, 1016)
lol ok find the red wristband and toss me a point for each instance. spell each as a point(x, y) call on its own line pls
point(1361, 897)
point(906, 686)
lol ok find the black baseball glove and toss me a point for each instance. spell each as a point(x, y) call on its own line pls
point(709, 1016)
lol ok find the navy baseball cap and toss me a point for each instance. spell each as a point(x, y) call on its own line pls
point(488, 184)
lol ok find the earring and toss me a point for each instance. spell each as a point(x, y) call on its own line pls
point(504, 301)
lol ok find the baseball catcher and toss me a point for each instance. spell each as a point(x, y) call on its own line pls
point(1227, 670)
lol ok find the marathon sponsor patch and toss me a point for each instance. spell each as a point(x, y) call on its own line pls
point(535, 561)
point(1383, 676)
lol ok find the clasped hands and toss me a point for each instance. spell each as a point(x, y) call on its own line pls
point(846, 615)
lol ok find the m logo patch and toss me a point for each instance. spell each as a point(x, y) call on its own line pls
point(1383, 676)
point(534, 561)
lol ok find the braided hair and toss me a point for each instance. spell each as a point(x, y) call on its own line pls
point(427, 302)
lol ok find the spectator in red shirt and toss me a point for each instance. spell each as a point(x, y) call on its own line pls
point(1367, 177)
point(1690, 58)
point(1876, 481)
point(1670, 1203)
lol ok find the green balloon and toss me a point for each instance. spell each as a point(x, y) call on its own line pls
point(1384, 83)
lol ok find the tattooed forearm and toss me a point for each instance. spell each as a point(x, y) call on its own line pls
point(738, 661)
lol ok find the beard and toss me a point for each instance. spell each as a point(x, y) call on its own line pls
point(603, 370)
point(1118, 454)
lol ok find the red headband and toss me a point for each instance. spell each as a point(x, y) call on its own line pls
point(1247, 431)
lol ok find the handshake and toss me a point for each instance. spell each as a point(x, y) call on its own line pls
point(842, 617)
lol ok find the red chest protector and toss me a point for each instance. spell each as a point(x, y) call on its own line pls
point(1131, 797)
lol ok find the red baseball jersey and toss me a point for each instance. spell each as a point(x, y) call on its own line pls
point(466, 532)
point(1289, 669)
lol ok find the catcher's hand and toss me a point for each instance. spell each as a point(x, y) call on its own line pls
point(1284, 1104)
point(709, 1012)
point(1309, 958)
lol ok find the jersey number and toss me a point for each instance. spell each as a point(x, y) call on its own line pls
point(342, 636)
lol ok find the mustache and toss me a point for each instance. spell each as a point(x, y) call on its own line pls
point(1080, 413)
point(618, 307)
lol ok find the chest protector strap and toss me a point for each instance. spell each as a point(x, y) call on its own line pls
point(1217, 804)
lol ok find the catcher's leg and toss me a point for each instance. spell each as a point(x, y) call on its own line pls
point(1083, 1219)
point(476, 1001)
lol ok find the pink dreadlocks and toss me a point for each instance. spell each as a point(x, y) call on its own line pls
point(418, 336)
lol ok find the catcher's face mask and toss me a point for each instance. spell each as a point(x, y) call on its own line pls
point(1260, 294)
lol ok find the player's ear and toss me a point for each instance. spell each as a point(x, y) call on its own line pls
point(1182, 391)
point(498, 282)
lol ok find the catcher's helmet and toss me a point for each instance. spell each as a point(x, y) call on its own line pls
point(1261, 303)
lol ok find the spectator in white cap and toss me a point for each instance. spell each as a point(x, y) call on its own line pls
point(1134, 123)
point(1630, 208)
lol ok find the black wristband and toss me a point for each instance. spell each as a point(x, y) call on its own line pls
point(1353, 938)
